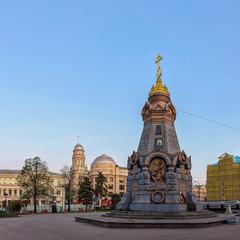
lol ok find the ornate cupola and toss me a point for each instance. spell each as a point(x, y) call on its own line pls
point(159, 177)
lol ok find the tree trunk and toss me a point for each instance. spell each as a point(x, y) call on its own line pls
point(35, 196)
point(35, 205)
point(69, 205)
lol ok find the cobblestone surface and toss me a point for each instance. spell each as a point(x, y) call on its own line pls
point(63, 227)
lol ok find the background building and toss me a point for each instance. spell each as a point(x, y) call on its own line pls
point(200, 192)
point(79, 166)
point(9, 185)
point(116, 176)
point(223, 179)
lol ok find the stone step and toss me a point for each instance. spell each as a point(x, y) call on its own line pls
point(154, 215)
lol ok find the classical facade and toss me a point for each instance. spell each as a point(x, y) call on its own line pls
point(9, 186)
point(79, 165)
point(116, 176)
point(10, 190)
point(159, 177)
point(223, 179)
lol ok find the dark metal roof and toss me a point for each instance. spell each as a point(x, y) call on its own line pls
point(9, 171)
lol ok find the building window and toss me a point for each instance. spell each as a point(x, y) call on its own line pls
point(111, 179)
point(158, 130)
point(10, 192)
point(58, 192)
point(15, 192)
point(110, 186)
point(20, 192)
point(121, 187)
point(158, 143)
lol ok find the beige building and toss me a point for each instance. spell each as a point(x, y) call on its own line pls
point(9, 189)
point(116, 176)
point(9, 186)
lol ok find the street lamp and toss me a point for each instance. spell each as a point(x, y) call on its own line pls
point(223, 192)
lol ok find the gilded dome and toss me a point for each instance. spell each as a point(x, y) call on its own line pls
point(103, 159)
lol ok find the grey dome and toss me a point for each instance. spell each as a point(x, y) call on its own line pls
point(104, 159)
point(78, 147)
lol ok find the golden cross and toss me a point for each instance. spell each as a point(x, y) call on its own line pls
point(159, 58)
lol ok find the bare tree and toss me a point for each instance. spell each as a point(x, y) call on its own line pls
point(68, 179)
point(35, 180)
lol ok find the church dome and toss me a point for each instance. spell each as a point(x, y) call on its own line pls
point(78, 147)
point(104, 159)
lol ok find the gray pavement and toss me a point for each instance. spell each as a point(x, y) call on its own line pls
point(63, 226)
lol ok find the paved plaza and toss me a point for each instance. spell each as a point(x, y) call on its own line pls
point(63, 226)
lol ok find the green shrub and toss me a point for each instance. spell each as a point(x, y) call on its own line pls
point(4, 214)
point(15, 206)
point(116, 198)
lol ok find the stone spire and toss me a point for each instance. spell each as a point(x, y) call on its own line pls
point(159, 114)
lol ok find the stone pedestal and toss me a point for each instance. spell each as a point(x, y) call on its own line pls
point(149, 207)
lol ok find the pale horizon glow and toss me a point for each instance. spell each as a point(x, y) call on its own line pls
point(85, 69)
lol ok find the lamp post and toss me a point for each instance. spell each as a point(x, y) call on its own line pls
point(63, 199)
point(223, 192)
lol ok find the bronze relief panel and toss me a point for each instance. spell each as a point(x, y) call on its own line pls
point(157, 169)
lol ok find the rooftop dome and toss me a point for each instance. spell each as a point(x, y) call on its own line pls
point(78, 147)
point(104, 159)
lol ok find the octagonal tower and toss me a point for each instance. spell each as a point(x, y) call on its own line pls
point(159, 176)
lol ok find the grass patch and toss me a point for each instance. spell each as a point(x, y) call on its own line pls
point(4, 214)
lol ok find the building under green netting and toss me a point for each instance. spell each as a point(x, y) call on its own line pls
point(223, 179)
point(237, 159)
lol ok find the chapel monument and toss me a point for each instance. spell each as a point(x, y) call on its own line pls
point(159, 177)
point(159, 182)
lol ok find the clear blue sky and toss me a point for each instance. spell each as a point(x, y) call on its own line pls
point(70, 68)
